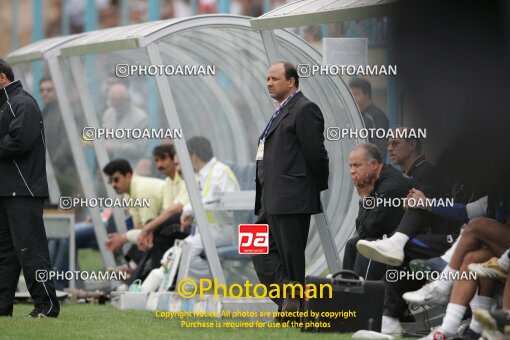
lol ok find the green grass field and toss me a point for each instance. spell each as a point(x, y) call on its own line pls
point(83, 321)
point(90, 260)
point(91, 321)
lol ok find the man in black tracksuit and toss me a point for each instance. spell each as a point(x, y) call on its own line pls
point(417, 225)
point(420, 234)
point(373, 179)
point(23, 188)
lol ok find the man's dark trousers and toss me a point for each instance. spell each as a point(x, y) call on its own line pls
point(289, 178)
point(163, 239)
point(288, 235)
point(368, 269)
point(23, 244)
point(423, 246)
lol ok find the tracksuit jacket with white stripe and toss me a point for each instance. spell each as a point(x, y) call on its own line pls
point(22, 148)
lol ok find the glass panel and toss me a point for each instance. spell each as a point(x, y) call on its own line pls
point(230, 107)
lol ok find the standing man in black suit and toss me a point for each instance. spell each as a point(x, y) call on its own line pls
point(292, 170)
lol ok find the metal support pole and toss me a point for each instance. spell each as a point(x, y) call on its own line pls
point(194, 7)
point(124, 10)
point(165, 93)
point(393, 108)
point(325, 30)
point(153, 103)
point(64, 23)
point(53, 187)
point(72, 251)
point(90, 61)
point(15, 25)
point(37, 34)
point(90, 16)
point(79, 155)
point(224, 6)
point(266, 6)
point(331, 252)
point(154, 10)
point(269, 41)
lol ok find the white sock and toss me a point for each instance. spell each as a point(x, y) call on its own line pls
point(390, 320)
point(449, 269)
point(453, 318)
point(479, 302)
point(399, 239)
point(504, 261)
point(445, 285)
point(449, 253)
point(390, 323)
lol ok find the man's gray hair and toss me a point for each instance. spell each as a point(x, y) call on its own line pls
point(372, 152)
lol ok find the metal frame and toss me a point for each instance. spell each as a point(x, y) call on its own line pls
point(238, 83)
point(134, 37)
point(79, 155)
point(150, 37)
point(53, 187)
point(310, 12)
point(181, 148)
point(53, 225)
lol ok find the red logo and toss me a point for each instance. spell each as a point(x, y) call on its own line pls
point(253, 238)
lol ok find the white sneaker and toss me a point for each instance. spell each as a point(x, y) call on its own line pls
point(369, 335)
point(489, 270)
point(430, 294)
point(391, 326)
point(122, 288)
point(384, 251)
point(437, 334)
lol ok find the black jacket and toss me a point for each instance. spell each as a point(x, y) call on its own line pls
point(427, 179)
point(374, 223)
point(295, 163)
point(430, 182)
point(22, 149)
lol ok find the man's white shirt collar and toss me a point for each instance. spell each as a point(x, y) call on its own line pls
point(283, 101)
point(207, 167)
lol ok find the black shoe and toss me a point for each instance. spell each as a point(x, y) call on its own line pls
point(470, 334)
point(6, 312)
point(435, 264)
point(38, 313)
point(291, 306)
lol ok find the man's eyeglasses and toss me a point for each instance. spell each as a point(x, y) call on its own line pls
point(395, 143)
point(45, 90)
